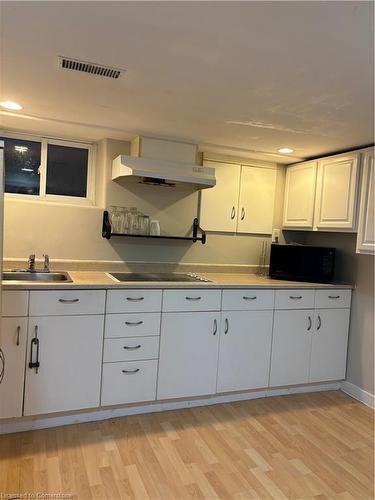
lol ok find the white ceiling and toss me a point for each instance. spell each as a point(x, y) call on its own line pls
point(242, 75)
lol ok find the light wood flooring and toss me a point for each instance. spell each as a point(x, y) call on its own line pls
point(317, 445)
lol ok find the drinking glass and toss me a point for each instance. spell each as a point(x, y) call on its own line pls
point(115, 219)
point(144, 225)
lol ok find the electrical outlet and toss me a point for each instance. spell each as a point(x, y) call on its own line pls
point(275, 235)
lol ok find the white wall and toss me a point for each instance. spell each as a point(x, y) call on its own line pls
point(74, 232)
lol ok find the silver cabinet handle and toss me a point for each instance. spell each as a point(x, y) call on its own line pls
point(295, 297)
point(243, 213)
point(130, 372)
point(34, 343)
point(319, 323)
point(18, 335)
point(193, 298)
point(68, 301)
point(233, 213)
point(310, 323)
point(226, 328)
point(132, 348)
point(133, 323)
point(135, 299)
point(249, 298)
point(333, 296)
point(215, 327)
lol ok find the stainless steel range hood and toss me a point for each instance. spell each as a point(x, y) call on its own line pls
point(162, 163)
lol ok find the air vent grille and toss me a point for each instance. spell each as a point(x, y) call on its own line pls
point(90, 68)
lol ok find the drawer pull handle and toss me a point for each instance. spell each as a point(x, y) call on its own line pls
point(68, 301)
point(295, 297)
point(18, 336)
point(130, 372)
point(333, 296)
point(319, 323)
point(133, 323)
point(135, 299)
point(310, 324)
point(132, 348)
point(249, 298)
point(193, 298)
point(226, 329)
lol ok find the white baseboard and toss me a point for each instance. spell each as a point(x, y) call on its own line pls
point(357, 393)
point(43, 422)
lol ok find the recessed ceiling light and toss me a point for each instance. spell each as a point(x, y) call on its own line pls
point(11, 105)
point(285, 150)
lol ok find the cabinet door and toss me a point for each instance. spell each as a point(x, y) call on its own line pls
point(291, 346)
point(188, 354)
point(218, 211)
point(70, 356)
point(256, 201)
point(366, 224)
point(244, 352)
point(13, 339)
point(299, 197)
point(336, 195)
point(329, 345)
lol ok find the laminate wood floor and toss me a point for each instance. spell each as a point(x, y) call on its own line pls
point(317, 445)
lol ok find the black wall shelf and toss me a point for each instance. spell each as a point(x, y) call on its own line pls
point(107, 232)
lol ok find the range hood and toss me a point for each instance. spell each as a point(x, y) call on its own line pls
point(162, 163)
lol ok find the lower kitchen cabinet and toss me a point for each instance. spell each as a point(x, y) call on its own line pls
point(244, 351)
point(188, 354)
point(13, 338)
point(329, 345)
point(291, 347)
point(70, 357)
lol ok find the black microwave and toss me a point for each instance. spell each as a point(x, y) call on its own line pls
point(302, 263)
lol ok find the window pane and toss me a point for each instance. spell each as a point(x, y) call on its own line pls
point(21, 164)
point(66, 171)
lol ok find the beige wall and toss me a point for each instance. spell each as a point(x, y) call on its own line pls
point(359, 270)
point(74, 233)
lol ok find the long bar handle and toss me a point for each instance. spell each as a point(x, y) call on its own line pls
point(18, 335)
point(68, 301)
point(34, 342)
point(132, 348)
point(226, 328)
point(133, 323)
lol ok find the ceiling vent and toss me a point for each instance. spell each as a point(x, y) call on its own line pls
point(90, 68)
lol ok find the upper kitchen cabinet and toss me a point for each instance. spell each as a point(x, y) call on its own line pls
point(366, 237)
point(242, 200)
point(300, 195)
point(336, 192)
point(322, 194)
point(219, 205)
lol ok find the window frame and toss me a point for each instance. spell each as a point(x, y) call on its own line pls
point(89, 200)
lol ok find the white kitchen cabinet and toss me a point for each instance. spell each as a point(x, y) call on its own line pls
point(329, 345)
point(13, 339)
point(242, 200)
point(366, 223)
point(256, 200)
point(244, 351)
point(291, 347)
point(219, 204)
point(299, 199)
point(336, 192)
point(70, 357)
point(188, 354)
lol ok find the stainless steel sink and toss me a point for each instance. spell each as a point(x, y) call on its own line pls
point(36, 276)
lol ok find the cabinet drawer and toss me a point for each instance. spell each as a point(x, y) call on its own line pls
point(332, 299)
point(294, 299)
point(129, 382)
point(132, 325)
point(14, 303)
point(244, 300)
point(67, 302)
point(130, 349)
point(191, 300)
point(120, 301)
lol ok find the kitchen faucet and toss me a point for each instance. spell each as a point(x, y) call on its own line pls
point(31, 264)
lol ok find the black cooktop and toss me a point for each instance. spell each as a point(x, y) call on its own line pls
point(171, 277)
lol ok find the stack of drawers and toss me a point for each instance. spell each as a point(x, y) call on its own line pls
point(131, 346)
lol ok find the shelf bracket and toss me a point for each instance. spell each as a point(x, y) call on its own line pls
point(197, 228)
point(106, 229)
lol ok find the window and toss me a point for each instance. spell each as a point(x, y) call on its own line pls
point(52, 170)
